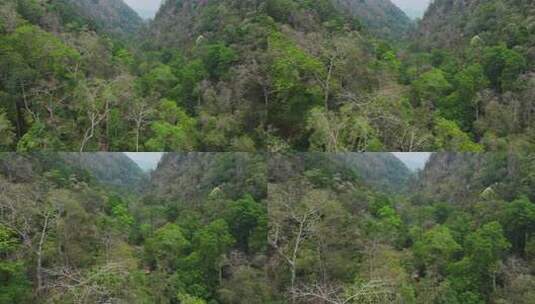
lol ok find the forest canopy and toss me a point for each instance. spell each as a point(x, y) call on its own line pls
point(276, 75)
point(233, 228)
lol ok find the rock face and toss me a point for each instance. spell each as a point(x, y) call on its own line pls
point(441, 24)
point(113, 170)
point(381, 17)
point(381, 171)
point(113, 16)
point(451, 23)
point(462, 177)
point(183, 18)
point(191, 177)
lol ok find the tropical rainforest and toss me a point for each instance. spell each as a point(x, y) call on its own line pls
point(456, 232)
point(290, 228)
point(267, 75)
point(193, 232)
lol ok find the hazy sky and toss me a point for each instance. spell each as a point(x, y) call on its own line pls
point(146, 161)
point(413, 8)
point(145, 8)
point(148, 8)
point(414, 160)
point(149, 161)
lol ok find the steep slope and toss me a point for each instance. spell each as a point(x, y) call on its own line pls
point(110, 170)
point(63, 222)
point(112, 16)
point(56, 58)
point(115, 169)
point(473, 62)
point(191, 177)
point(476, 176)
point(450, 23)
point(380, 171)
point(216, 200)
point(266, 65)
point(381, 17)
point(328, 229)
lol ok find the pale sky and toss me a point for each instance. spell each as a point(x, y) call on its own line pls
point(148, 8)
point(146, 161)
point(413, 8)
point(145, 8)
point(414, 160)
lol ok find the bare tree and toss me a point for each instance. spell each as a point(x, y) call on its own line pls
point(96, 105)
point(140, 114)
point(371, 292)
point(84, 286)
point(294, 220)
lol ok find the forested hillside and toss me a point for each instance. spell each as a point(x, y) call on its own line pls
point(381, 17)
point(473, 63)
point(453, 238)
point(113, 169)
point(65, 84)
point(111, 16)
point(274, 75)
point(67, 236)
point(287, 228)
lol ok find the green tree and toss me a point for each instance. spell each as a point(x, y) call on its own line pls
point(477, 271)
point(431, 86)
point(462, 105)
point(449, 137)
point(248, 221)
point(217, 59)
point(187, 299)
point(14, 285)
point(436, 248)
point(519, 223)
point(293, 73)
point(167, 247)
point(174, 131)
point(211, 244)
point(280, 10)
point(189, 74)
point(502, 67)
point(7, 136)
point(159, 80)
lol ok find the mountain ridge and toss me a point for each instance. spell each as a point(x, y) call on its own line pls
point(115, 16)
point(382, 17)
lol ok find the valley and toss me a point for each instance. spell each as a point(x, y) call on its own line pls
point(282, 228)
point(267, 152)
point(276, 75)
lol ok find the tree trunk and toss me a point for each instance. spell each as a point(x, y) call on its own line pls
point(40, 254)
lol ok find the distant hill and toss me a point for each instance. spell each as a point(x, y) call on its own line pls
point(111, 170)
point(453, 23)
point(114, 169)
point(381, 171)
point(191, 177)
point(381, 17)
point(471, 174)
point(113, 16)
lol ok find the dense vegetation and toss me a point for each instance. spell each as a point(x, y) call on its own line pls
point(473, 65)
point(278, 75)
point(461, 232)
point(293, 228)
point(67, 236)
